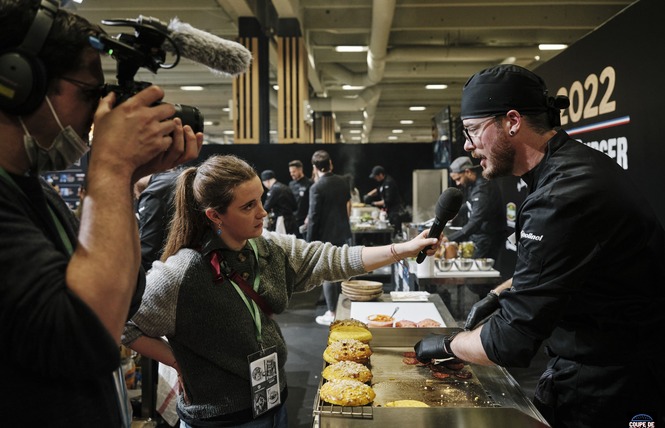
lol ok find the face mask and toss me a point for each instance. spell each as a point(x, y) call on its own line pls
point(66, 149)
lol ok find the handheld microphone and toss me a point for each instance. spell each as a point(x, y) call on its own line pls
point(447, 207)
point(217, 54)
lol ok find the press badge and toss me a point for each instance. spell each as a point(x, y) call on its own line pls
point(265, 380)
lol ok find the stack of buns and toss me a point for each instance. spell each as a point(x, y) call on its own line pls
point(347, 375)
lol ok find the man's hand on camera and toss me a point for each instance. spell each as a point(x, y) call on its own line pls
point(140, 138)
point(481, 310)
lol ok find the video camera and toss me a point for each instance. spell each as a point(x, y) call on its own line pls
point(142, 49)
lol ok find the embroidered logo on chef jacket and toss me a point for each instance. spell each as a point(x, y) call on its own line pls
point(531, 236)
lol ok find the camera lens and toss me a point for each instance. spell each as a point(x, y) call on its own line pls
point(190, 116)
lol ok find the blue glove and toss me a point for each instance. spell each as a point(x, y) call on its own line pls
point(435, 346)
point(481, 310)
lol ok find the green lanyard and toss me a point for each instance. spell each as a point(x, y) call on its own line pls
point(58, 225)
point(251, 305)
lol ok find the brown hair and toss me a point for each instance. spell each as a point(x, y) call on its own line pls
point(321, 160)
point(210, 185)
point(296, 163)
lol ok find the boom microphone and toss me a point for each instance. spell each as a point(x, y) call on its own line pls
point(447, 207)
point(177, 37)
point(204, 48)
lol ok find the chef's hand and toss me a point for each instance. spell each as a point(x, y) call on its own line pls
point(481, 310)
point(431, 347)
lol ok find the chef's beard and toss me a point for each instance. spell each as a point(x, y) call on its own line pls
point(500, 159)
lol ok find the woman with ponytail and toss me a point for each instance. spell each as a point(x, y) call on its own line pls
point(213, 294)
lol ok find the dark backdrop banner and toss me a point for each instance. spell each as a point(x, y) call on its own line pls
point(614, 79)
point(399, 160)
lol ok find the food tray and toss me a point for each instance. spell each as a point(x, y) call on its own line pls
point(393, 380)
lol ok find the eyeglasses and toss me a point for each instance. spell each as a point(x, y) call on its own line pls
point(90, 91)
point(477, 129)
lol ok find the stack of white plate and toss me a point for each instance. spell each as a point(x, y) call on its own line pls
point(361, 290)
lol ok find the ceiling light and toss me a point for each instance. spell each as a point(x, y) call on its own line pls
point(275, 87)
point(191, 88)
point(207, 122)
point(392, 137)
point(351, 48)
point(436, 86)
point(355, 138)
point(228, 132)
point(406, 122)
point(355, 131)
point(352, 88)
point(397, 131)
point(355, 122)
point(552, 46)
point(417, 108)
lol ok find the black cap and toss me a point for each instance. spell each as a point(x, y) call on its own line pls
point(498, 89)
point(267, 174)
point(377, 170)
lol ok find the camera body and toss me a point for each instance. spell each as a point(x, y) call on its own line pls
point(143, 49)
point(189, 115)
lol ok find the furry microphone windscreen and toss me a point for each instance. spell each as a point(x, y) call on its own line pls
point(218, 54)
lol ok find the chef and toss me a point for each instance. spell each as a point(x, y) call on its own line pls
point(589, 279)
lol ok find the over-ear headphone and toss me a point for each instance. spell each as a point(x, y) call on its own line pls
point(23, 79)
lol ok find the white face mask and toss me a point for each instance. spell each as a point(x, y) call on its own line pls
point(67, 148)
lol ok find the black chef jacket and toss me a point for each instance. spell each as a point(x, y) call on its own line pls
point(280, 202)
point(590, 276)
point(486, 225)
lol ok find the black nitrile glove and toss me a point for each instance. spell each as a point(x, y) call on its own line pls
point(435, 346)
point(481, 310)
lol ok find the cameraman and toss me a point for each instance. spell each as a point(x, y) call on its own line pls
point(65, 289)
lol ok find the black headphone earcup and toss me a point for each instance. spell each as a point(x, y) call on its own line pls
point(23, 82)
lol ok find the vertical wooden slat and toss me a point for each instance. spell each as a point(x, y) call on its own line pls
point(293, 91)
point(246, 98)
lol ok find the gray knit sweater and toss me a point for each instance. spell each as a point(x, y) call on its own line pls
point(209, 326)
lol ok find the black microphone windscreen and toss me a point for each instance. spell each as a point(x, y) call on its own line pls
point(449, 203)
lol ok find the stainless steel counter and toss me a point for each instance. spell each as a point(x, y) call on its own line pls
point(490, 398)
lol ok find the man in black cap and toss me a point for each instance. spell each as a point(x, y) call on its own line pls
point(485, 224)
point(590, 272)
point(386, 196)
point(279, 203)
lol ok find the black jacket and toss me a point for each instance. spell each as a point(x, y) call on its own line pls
point(590, 280)
point(328, 218)
point(155, 210)
point(486, 224)
point(58, 356)
point(300, 190)
point(280, 202)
